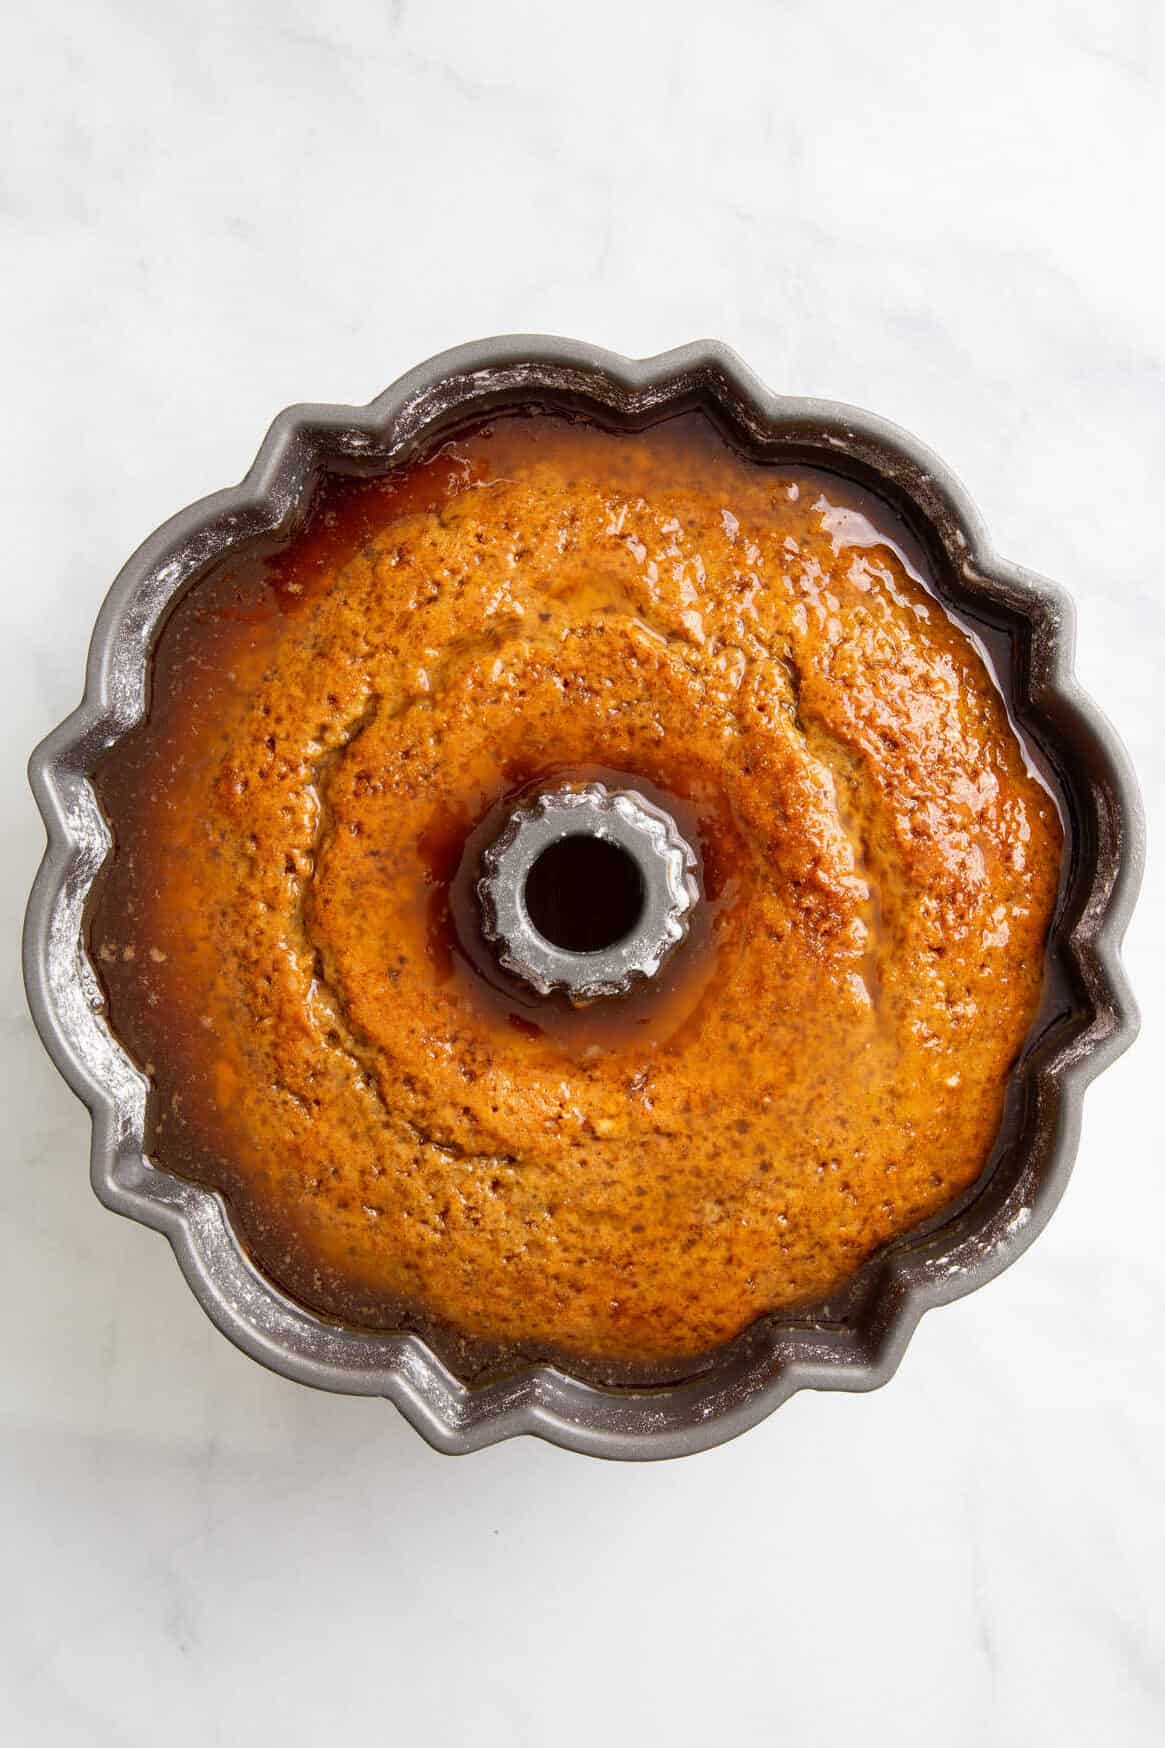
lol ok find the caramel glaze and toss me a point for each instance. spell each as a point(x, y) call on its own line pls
point(288, 937)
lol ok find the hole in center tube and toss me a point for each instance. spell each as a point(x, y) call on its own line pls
point(584, 893)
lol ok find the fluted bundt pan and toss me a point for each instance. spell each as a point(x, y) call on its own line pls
point(852, 1343)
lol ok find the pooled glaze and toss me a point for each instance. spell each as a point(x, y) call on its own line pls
point(288, 935)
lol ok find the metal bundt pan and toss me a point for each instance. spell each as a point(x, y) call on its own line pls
point(854, 1343)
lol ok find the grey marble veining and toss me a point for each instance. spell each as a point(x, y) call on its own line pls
point(946, 214)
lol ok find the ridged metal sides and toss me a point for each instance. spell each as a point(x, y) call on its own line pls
point(852, 1344)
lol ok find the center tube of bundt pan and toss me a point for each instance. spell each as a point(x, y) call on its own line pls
point(587, 892)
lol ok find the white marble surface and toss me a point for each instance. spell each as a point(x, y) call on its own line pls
point(946, 212)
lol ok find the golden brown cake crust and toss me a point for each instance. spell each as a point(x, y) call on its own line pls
point(288, 938)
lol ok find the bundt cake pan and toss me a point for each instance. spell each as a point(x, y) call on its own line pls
point(1023, 624)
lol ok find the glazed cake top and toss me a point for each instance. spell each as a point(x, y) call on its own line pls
point(289, 939)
